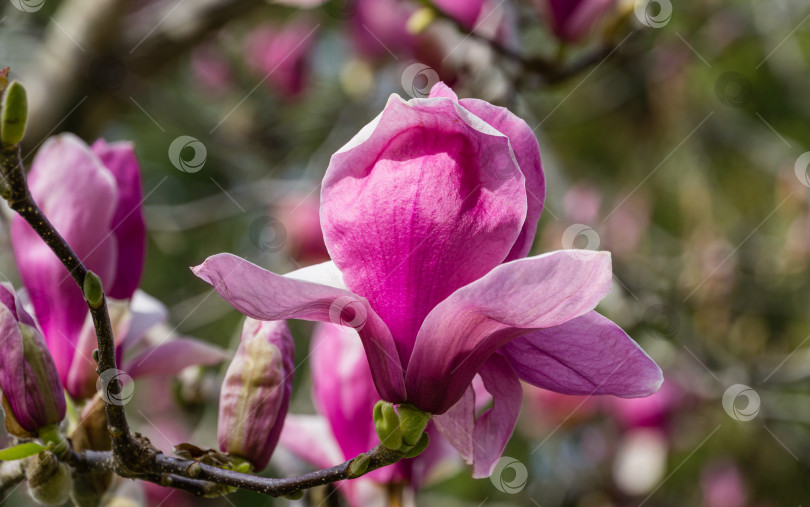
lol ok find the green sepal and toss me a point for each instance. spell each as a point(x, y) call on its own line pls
point(419, 448)
point(386, 422)
point(20, 451)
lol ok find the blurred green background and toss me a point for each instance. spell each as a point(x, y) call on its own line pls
point(680, 148)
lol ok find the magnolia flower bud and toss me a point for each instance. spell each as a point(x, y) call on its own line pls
point(32, 392)
point(49, 480)
point(256, 392)
point(14, 114)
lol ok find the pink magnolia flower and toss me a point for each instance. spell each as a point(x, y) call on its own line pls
point(32, 393)
point(378, 28)
point(281, 54)
point(571, 20)
point(344, 395)
point(92, 196)
point(427, 213)
point(256, 392)
point(723, 485)
point(298, 213)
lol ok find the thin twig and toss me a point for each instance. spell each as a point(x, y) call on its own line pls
point(132, 456)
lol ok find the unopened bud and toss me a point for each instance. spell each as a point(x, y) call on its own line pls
point(49, 480)
point(93, 290)
point(32, 391)
point(14, 114)
point(256, 392)
point(359, 466)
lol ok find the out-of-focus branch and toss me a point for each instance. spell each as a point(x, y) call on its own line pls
point(111, 48)
point(550, 71)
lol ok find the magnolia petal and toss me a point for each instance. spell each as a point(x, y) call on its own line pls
point(494, 427)
point(145, 313)
point(457, 424)
point(442, 90)
point(424, 200)
point(527, 153)
point(325, 273)
point(309, 437)
point(263, 295)
point(342, 387)
point(84, 223)
point(478, 319)
point(587, 355)
point(82, 376)
point(127, 226)
point(171, 357)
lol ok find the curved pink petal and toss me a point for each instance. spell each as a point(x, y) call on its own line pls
point(79, 196)
point(171, 357)
point(145, 312)
point(481, 441)
point(342, 387)
point(263, 295)
point(424, 200)
point(527, 153)
point(309, 438)
point(494, 428)
point(478, 319)
point(128, 226)
point(457, 424)
point(586, 355)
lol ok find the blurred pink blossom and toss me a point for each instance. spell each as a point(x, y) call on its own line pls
point(281, 54)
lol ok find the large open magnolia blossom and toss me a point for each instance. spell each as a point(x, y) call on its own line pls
point(427, 214)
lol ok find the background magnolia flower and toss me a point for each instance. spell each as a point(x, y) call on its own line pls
point(281, 54)
point(571, 20)
point(92, 196)
point(256, 392)
point(435, 298)
point(32, 393)
point(344, 396)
